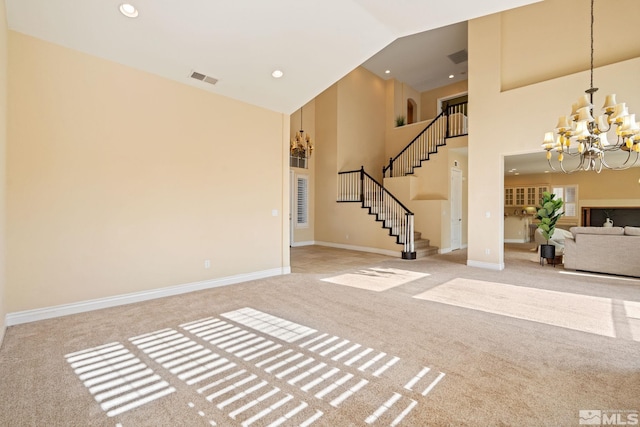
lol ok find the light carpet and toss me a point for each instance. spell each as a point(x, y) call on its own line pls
point(299, 350)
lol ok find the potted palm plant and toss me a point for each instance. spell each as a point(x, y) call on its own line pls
point(548, 213)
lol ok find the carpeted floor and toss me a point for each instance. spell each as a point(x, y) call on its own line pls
point(347, 339)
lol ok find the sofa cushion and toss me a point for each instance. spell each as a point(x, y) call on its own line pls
point(632, 231)
point(598, 230)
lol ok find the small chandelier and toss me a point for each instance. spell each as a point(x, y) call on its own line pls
point(580, 135)
point(301, 145)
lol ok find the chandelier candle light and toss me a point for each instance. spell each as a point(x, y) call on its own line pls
point(301, 145)
point(581, 135)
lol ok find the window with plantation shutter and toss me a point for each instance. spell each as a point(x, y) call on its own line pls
point(302, 201)
point(569, 195)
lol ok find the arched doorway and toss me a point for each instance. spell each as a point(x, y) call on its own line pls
point(412, 111)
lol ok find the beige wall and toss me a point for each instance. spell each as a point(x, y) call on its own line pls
point(3, 146)
point(429, 99)
point(360, 127)
point(514, 121)
point(350, 125)
point(397, 94)
point(304, 235)
point(121, 181)
point(535, 50)
point(397, 138)
point(326, 159)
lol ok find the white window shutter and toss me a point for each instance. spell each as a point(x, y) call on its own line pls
point(302, 201)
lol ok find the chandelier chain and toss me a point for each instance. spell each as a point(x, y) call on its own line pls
point(591, 65)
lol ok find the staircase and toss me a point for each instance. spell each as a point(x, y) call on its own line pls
point(423, 246)
point(360, 187)
point(450, 123)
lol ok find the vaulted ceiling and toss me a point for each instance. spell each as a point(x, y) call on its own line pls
point(241, 42)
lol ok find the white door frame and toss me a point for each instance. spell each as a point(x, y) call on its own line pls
point(456, 208)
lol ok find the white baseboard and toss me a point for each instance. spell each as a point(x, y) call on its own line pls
point(444, 250)
point(298, 244)
point(485, 265)
point(361, 249)
point(515, 241)
point(97, 304)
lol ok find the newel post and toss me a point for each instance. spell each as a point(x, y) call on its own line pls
point(362, 184)
point(409, 251)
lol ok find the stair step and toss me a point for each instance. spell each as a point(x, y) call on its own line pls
point(421, 243)
point(430, 250)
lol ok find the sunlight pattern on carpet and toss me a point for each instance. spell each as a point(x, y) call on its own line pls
point(376, 279)
point(578, 312)
point(248, 370)
point(116, 378)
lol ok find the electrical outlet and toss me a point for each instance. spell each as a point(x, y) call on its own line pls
point(207, 263)
point(487, 251)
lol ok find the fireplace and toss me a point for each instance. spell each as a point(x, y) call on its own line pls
point(621, 216)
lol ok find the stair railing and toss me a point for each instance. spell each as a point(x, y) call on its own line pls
point(451, 122)
point(359, 186)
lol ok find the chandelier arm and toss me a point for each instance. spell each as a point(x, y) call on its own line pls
point(624, 166)
point(577, 168)
point(550, 165)
point(614, 147)
point(603, 130)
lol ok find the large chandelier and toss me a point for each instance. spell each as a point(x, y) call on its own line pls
point(582, 136)
point(301, 145)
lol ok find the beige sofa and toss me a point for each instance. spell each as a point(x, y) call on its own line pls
point(612, 250)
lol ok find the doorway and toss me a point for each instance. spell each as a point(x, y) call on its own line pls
point(456, 209)
point(412, 111)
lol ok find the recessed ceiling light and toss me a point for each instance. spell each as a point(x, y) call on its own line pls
point(451, 76)
point(387, 71)
point(277, 74)
point(128, 10)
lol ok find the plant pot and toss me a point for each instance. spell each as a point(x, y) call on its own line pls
point(547, 251)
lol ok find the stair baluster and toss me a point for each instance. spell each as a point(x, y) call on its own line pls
point(359, 186)
point(451, 122)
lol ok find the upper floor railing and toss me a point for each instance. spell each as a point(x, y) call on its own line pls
point(450, 123)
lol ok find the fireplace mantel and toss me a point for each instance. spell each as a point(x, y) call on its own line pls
point(621, 216)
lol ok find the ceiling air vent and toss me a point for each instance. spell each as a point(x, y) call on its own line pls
point(459, 56)
point(203, 78)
